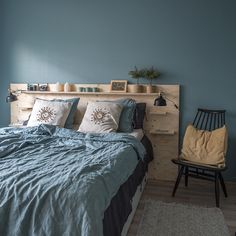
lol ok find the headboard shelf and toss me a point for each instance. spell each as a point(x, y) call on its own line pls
point(90, 93)
point(161, 124)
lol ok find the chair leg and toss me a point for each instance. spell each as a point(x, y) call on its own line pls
point(217, 189)
point(223, 184)
point(186, 176)
point(178, 180)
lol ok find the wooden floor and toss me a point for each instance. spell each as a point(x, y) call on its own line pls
point(198, 193)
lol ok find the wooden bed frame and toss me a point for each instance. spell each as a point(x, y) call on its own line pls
point(161, 124)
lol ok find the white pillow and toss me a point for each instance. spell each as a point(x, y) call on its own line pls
point(101, 117)
point(49, 112)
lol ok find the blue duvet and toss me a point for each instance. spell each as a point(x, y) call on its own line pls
point(59, 182)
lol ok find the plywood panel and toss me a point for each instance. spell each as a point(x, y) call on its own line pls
point(158, 118)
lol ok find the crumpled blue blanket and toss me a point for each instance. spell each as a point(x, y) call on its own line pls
point(56, 181)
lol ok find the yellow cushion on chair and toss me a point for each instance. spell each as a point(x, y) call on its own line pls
point(205, 147)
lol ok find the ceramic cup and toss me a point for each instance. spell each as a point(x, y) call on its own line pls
point(95, 89)
point(80, 89)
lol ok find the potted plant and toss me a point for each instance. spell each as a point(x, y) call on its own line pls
point(150, 74)
point(136, 74)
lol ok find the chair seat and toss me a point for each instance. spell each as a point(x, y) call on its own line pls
point(183, 162)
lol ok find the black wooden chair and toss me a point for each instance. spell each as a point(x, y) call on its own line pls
point(204, 120)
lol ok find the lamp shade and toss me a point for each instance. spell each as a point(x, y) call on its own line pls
point(160, 101)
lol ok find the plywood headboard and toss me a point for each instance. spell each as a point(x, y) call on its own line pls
point(161, 124)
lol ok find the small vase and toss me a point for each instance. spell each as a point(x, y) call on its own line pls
point(67, 87)
point(58, 87)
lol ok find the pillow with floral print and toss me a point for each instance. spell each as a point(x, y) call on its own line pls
point(49, 112)
point(101, 117)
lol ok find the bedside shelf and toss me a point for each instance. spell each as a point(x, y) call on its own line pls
point(159, 113)
point(17, 125)
point(26, 108)
point(162, 132)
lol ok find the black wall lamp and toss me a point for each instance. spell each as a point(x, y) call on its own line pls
point(11, 97)
point(161, 101)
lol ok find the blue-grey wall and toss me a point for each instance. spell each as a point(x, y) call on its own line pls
point(3, 81)
point(192, 42)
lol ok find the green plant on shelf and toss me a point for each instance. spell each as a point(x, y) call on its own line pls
point(137, 74)
point(151, 74)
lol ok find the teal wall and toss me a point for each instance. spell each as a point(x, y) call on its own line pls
point(3, 81)
point(192, 42)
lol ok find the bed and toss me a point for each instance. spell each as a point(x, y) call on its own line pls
point(56, 181)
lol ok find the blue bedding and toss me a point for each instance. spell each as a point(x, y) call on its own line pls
point(56, 181)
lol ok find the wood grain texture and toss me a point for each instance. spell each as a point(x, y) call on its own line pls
point(158, 118)
point(200, 193)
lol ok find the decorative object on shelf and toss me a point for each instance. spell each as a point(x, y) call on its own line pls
point(94, 89)
point(88, 89)
point(11, 97)
point(32, 87)
point(67, 87)
point(160, 101)
point(43, 87)
point(118, 86)
point(136, 74)
point(59, 87)
point(150, 74)
point(80, 89)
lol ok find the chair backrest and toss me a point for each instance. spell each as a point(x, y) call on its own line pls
point(209, 119)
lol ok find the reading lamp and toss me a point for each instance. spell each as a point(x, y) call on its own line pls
point(161, 101)
point(11, 97)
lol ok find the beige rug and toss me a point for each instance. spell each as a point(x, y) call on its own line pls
point(170, 219)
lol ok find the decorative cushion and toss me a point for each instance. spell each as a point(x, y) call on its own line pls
point(70, 119)
point(139, 115)
point(126, 117)
point(49, 112)
point(101, 117)
point(205, 147)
